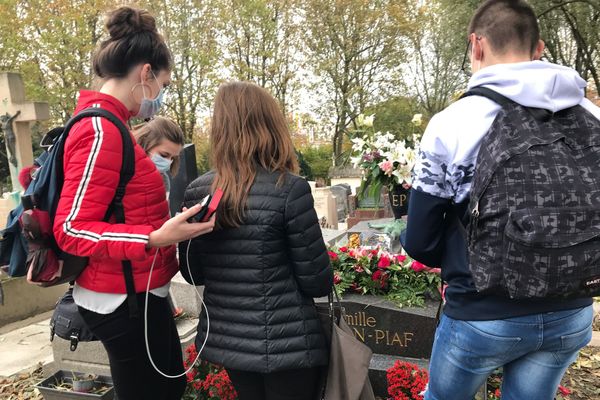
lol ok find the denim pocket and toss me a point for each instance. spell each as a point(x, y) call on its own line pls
point(479, 346)
point(577, 340)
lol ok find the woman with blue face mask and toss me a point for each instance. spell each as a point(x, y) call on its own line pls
point(163, 140)
point(132, 66)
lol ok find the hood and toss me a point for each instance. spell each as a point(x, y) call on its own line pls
point(536, 84)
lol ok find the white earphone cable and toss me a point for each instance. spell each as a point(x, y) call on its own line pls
point(187, 259)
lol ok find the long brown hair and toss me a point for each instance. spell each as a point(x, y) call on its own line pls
point(248, 131)
point(152, 133)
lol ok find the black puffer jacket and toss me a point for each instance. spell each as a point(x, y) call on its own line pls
point(260, 279)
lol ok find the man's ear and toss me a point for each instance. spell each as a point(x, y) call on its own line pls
point(539, 50)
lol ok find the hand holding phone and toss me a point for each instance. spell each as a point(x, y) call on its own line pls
point(209, 204)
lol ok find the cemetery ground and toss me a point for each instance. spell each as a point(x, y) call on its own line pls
point(582, 380)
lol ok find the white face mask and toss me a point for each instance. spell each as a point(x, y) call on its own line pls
point(162, 164)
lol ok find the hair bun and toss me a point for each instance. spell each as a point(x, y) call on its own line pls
point(126, 21)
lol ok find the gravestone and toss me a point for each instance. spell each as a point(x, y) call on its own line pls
point(346, 175)
point(16, 115)
point(341, 196)
point(326, 208)
point(188, 171)
point(392, 333)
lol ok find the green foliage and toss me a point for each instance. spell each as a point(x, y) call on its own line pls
point(395, 115)
point(318, 159)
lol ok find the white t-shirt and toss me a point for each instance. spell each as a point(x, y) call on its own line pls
point(106, 303)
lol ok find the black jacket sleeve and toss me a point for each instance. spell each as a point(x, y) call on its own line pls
point(193, 195)
point(307, 251)
point(423, 238)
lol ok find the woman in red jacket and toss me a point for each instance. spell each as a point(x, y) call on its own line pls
point(133, 66)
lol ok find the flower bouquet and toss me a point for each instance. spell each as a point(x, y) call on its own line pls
point(385, 161)
point(400, 279)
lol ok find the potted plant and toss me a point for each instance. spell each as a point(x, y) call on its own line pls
point(64, 385)
point(386, 162)
point(406, 381)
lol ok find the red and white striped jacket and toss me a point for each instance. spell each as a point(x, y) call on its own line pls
point(92, 163)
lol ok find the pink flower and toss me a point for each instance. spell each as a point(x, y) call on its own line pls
point(384, 262)
point(387, 167)
point(337, 279)
point(434, 270)
point(417, 266)
point(344, 249)
point(333, 256)
point(400, 258)
point(358, 268)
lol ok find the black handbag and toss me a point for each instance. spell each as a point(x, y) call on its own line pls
point(67, 323)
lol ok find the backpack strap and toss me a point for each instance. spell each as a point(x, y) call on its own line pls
point(489, 94)
point(116, 206)
point(539, 114)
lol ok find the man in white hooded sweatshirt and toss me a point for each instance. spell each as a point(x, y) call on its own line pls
point(533, 340)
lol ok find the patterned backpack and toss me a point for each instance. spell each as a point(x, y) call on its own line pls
point(534, 228)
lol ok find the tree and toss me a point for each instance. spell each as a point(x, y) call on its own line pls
point(353, 45)
point(51, 44)
point(437, 46)
point(261, 38)
point(190, 29)
point(570, 31)
point(395, 115)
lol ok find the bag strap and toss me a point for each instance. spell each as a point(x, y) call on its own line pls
point(116, 206)
point(489, 94)
point(539, 114)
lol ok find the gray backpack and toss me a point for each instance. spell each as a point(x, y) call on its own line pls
point(534, 226)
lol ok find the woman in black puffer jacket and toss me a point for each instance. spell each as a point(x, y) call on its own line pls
point(266, 260)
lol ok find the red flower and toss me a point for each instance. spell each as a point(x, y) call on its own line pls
point(377, 275)
point(497, 393)
point(400, 258)
point(564, 391)
point(417, 266)
point(337, 279)
point(406, 381)
point(333, 256)
point(344, 249)
point(384, 262)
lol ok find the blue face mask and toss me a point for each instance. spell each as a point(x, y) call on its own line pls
point(149, 107)
point(162, 164)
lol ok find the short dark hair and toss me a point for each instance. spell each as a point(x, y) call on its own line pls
point(507, 25)
point(133, 40)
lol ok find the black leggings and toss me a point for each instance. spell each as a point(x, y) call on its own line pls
point(133, 376)
point(297, 384)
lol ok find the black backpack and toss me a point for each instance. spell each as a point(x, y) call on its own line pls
point(25, 255)
point(534, 224)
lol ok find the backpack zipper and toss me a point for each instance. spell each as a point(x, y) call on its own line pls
point(473, 224)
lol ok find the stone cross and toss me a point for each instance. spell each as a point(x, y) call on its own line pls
point(17, 114)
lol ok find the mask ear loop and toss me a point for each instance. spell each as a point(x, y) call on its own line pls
point(143, 85)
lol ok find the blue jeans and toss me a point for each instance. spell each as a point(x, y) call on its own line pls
point(534, 351)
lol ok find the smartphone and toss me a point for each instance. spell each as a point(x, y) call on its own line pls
point(203, 208)
point(212, 205)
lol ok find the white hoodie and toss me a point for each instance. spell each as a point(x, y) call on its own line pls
point(451, 141)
